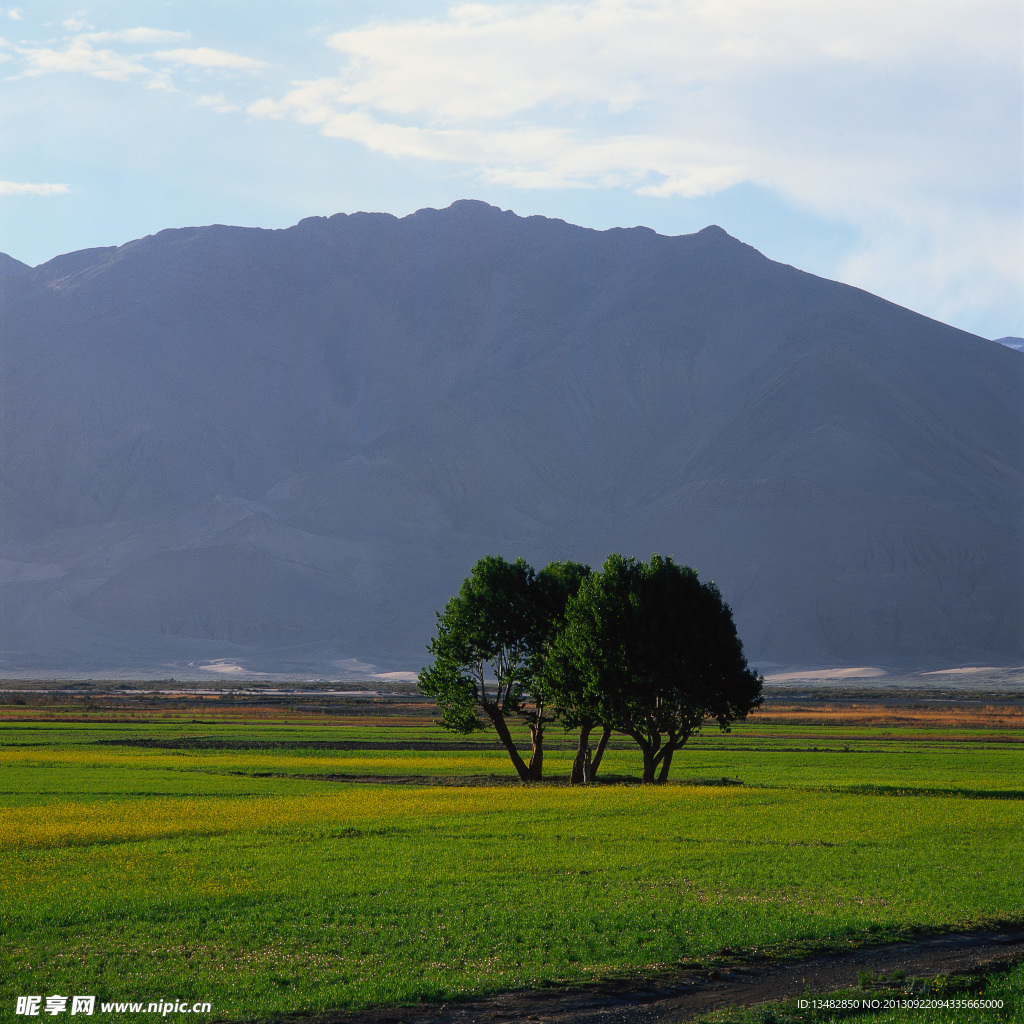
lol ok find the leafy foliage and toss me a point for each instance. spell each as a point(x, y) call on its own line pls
point(484, 625)
point(651, 651)
point(644, 648)
point(502, 622)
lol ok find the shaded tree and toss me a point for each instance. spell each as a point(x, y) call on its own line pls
point(649, 650)
point(490, 649)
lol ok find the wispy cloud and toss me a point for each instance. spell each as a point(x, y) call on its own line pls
point(24, 188)
point(122, 56)
point(218, 102)
point(652, 89)
point(136, 35)
point(82, 57)
point(205, 57)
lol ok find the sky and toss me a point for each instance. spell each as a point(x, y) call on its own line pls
point(875, 142)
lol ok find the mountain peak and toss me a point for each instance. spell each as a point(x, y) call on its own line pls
point(466, 210)
point(475, 206)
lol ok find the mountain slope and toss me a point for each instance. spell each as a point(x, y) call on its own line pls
point(288, 447)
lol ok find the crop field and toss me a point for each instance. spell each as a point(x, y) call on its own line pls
point(273, 862)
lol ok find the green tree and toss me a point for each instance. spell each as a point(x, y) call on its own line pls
point(649, 650)
point(489, 653)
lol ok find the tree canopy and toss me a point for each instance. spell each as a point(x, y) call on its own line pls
point(643, 648)
point(649, 650)
point(500, 626)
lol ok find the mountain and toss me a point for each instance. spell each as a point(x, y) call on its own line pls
point(9, 265)
point(1015, 343)
point(285, 449)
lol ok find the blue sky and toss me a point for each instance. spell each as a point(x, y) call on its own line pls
point(871, 141)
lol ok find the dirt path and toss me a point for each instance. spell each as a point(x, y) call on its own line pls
point(667, 1000)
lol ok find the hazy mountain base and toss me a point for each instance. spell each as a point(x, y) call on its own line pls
point(281, 451)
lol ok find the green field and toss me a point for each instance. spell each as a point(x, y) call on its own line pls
point(252, 876)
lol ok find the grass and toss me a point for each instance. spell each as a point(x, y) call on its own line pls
point(233, 876)
point(426, 892)
point(51, 761)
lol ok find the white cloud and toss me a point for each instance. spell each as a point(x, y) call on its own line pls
point(218, 102)
point(160, 82)
point(101, 54)
point(900, 118)
point(497, 61)
point(205, 57)
point(137, 35)
point(23, 188)
point(14, 14)
point(80, 56)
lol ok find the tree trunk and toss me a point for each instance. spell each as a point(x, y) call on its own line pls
point(501, 728)
point(666, 763)
point(650, 763)
point(596, 763)
point(536, 768)
point(576, 776)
